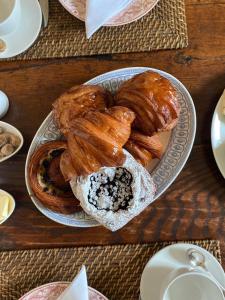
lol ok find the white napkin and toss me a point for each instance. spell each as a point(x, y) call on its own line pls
point(98, 12)
point(78, 289)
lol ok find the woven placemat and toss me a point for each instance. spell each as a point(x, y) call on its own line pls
point(113, 270)
point(164, 27)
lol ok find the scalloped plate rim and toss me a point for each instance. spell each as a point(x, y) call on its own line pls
point(57, 283)
point(112, 23)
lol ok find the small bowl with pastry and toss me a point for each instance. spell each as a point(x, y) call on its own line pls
point(11, 141)
point(110, 147)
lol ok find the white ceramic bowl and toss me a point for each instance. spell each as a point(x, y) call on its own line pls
point(11, 129)
point(12, 204)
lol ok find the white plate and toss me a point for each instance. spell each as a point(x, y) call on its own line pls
point(12, 204)
point(27, 31)
point(218, 137)
point(167, 260)
point(164, 172)
point(11, 129)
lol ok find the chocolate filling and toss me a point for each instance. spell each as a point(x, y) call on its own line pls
point(111, 194)
point(51, 176)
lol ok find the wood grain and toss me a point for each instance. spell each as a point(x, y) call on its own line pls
point(193, 207)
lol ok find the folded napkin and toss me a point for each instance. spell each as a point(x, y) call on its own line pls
point(98, 12)
point(78, 289)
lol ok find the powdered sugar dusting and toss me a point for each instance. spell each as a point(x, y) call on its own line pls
point(110, 189)
point(113, 196)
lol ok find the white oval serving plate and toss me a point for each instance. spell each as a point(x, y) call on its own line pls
point(11, 129)
point(178, 145)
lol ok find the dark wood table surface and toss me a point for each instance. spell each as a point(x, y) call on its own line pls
point(193, 207)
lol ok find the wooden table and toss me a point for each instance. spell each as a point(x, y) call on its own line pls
point(193, 207)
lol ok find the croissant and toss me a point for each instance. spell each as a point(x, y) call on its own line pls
point(153, 99)
point(46, 180)
point(144, 148)
point(96, 140)
point(77, 101)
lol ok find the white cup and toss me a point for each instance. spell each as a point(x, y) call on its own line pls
point(9, 16)
point(184, 284)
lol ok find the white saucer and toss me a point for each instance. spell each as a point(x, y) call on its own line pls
point(218, 137)
point(167, 260)
point(27, 31)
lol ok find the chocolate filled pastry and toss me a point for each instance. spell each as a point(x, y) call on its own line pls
point(144, 148)
point(47, 181)
point(96, 140)
point(77, 101)
point(115, 195)
point(154, 101)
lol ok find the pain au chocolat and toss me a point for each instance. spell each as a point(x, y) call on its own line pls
point(154, 100)
point(47, 181)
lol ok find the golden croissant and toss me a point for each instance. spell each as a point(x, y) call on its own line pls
point(96, 140)
point(77, 101)
point(153, 99)
point(144, 148)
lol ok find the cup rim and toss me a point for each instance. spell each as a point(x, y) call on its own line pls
point(13, 7)
point(191, 273)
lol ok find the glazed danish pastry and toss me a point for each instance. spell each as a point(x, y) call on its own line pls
point(153, 99)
